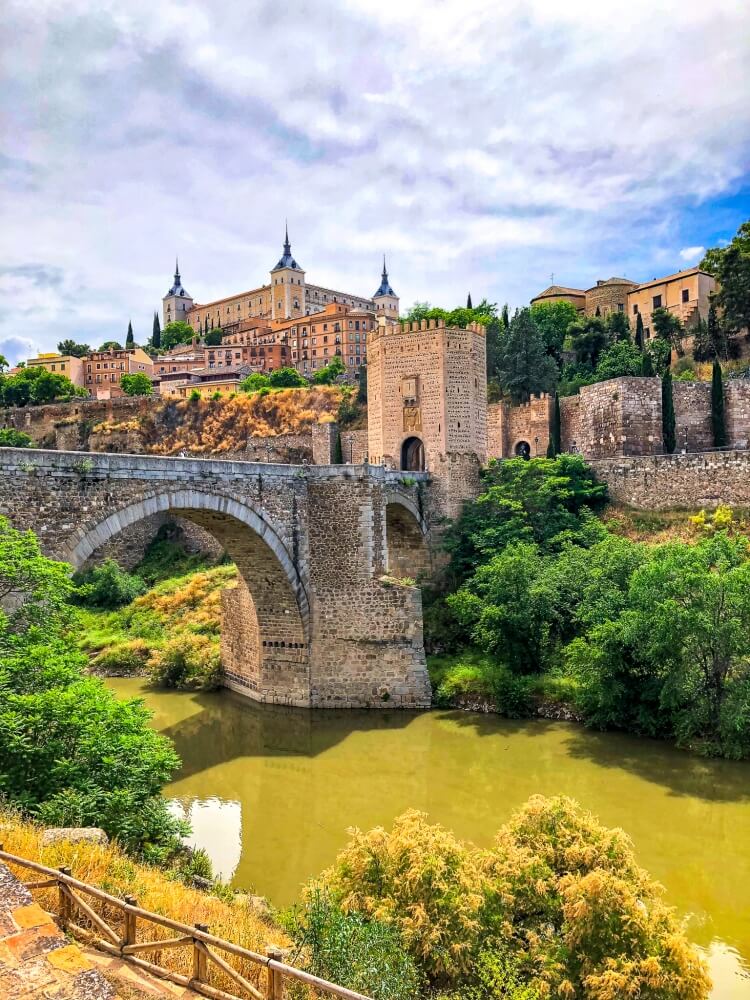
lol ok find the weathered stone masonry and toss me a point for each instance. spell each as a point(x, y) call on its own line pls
point(311, 622)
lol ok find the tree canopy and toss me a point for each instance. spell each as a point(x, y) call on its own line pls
point(523, 365)
point(72, 349)
point(136, 384)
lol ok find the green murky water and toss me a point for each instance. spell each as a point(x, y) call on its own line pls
point(270, 792)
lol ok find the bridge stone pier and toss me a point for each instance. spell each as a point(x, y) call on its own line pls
point(311, 622)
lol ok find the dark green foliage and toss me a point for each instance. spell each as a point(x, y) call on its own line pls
point(667, 327)
point(330, 373)
point(72, 349)
point(362, 386)
point(639, 335)
point(505, 316)
point(647, 369)
point(717, 338)
point(349, 949)
point(669, 440)
point(254, 382)
point(338, 457)
point(542, 501)
point(111, 345)
point(523, 365)
point(14, 439)
point(213, 337)
point(617, 326)
point(702, 347)
point(556, 428)
point(176, 333)
point(130, 339)
point(553, 319)
point(731, 266)
point(718, 420)
point(588, 339)
point(70, 752)
point(107, 586)
point(36, 385)
point(166, 558)
point(468, 301)
point(660, 355)
point(156, 332)
point(136, 384)
point(286, 378)
point(622, 357)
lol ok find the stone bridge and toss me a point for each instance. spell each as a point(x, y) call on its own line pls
point(311, 622)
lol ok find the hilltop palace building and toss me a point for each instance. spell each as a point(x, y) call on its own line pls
point(287, 296)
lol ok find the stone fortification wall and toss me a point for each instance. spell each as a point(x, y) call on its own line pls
point(354, 447)
point(619, 417)
point(508, 427)
point(678, 481)
point(692, 410)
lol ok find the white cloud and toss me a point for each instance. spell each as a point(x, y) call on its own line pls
point(692, 253)
point(15, 349)
point(480, 145)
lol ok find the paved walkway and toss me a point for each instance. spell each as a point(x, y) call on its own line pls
point(37, 962)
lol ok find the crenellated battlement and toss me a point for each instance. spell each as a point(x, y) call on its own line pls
point(388, 327)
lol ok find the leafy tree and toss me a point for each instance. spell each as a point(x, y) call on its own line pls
point(177, 332)
point(111, 345)
point(553, 320)
point(648, 365)
point(667, 327)
point(659, 354)
point(622, 357)
point(136, 384)
point(733, 296)
point(156, 332)
point(33, 589)
point(289, 378)
point(254, 382)
point(702, 347)
point(130, 339)
point(10, 438)
point(3, 363)
point(667, 414)
point(329, 374)
point(71, 349)
point(589, 338)
point(418, 312)
point(713, 259)
point(718, 420)
point(524, 367)
point(107, 586)
point(639, 334)
point(618, 327)
point(716, 333)
point(213, 337)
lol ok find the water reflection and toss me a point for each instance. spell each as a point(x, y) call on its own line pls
point(271, 792)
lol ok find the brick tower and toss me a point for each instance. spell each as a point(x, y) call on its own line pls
point(427, 404)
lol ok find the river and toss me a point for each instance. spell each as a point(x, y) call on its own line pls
point(271, 791)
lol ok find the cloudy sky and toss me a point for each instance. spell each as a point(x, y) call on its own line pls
point(482, 145)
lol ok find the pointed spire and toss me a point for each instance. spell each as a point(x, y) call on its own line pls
point(176, 269)
point(385, 271)
point(287, 245)
point(286, 260)
point(385, 285)
point(177, 288)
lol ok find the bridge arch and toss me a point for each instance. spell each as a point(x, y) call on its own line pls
point(266, 618)
point(406, 536)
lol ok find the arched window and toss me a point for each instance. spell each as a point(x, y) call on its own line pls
point(412, 455)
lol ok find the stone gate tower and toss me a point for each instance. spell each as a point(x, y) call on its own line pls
point(177, 303)
point(427, 404)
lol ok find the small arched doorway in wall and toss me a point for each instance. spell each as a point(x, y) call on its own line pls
point(408, 552)
point(412, 455)
point(265, 618)
point(522, 450)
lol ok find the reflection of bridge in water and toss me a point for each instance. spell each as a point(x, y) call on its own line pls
point(311, 622)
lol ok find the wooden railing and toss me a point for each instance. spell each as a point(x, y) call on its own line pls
point(73, 912)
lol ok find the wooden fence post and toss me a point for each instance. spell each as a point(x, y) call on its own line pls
point(199, 958)
point(129, 932)
point(275, 981)
point(63, 900)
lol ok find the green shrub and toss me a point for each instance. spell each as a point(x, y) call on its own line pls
point(123, 657)
point(187, 662)
point(107, 586)
point(359, 953)
point(10, 438)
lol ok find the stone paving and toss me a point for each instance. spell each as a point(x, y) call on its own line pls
point(37, 962)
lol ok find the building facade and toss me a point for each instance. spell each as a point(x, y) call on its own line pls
point(60, 364)
point(104, 369)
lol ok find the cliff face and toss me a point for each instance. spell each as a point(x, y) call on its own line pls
point(276, 426)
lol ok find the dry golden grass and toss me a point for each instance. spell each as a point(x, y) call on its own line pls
point(659, 526)
point(224, 425)
point(108, 868)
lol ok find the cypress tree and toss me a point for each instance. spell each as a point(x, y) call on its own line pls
point(505, 317)
point(647, 366)
point(556, 427)
point(667, 414)
point(718, 423)
point(550, 448)
point(338, 456)
point(156, 332)
point(716, 336)
point(639, 332)
point(468, 301)
point(129, 340)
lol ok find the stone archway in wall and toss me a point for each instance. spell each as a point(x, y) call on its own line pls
point(412, 455)
point(266, 619)
point(406, 539)
point(522, 449)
